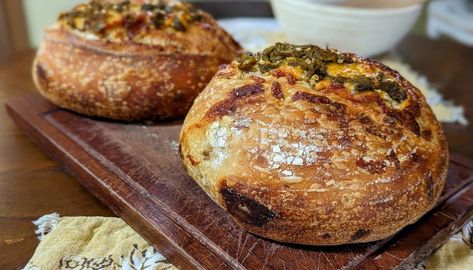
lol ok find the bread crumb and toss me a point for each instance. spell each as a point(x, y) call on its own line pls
point(316, 188)
point(287, 173)
point(291, 179)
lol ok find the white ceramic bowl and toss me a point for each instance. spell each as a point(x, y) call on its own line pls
point(365, 31)
point(368, 3)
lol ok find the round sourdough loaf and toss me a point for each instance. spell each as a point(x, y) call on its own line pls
point(131, 60)
point(311, 146)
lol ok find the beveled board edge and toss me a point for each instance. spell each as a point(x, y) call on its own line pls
point(28, 113)
point(445, 222)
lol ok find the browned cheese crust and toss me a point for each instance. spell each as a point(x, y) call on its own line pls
point(130, 61)
point(325, 148)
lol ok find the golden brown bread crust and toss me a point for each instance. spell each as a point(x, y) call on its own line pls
point(151, 77)
point(315, 163)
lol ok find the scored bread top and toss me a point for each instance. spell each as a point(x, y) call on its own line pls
point(332, 147)
point(170, 25)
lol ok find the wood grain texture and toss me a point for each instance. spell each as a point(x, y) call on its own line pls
point(33, 185)
point(136, 171)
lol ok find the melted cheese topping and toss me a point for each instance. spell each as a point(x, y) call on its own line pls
point(318, 66)
point(129, 21)
point(348, 70)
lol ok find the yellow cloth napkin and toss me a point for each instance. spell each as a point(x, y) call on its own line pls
point(92, 243)
point(455, 254)
point(100, 243)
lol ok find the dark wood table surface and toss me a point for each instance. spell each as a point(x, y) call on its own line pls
point(31, 184)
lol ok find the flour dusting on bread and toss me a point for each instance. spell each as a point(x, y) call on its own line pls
point(131, 60)
point(340, 149)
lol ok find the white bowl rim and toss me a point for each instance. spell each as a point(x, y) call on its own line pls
point(344, 10)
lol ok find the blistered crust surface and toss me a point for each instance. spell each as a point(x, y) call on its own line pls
point(315, 163)
point(129, 80)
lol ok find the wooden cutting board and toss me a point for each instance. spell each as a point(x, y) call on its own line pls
point(135, 170)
